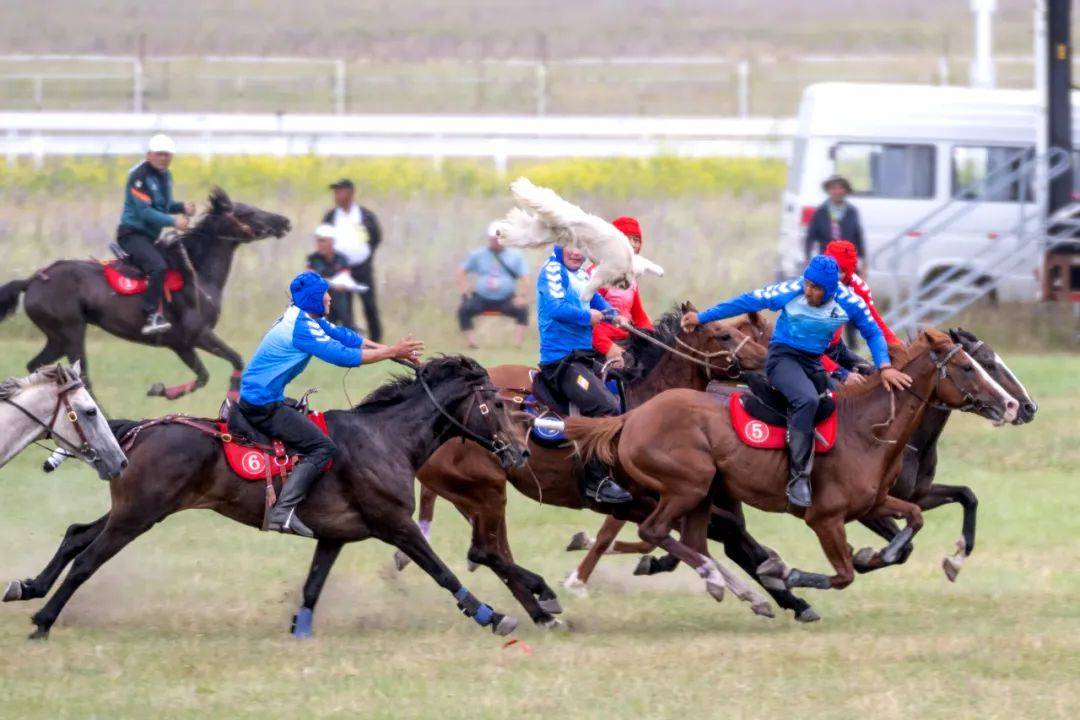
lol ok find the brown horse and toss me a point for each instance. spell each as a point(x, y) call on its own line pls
point(367, 493)
point(471, 478)
point(65, 297)
point(916, 484)
point(701, 458)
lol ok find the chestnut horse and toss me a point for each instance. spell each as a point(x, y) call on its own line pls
point(916, 484)
point(367, 493)
point(701, 458)
point(471, 478)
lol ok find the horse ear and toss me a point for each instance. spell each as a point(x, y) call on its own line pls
point(76, 368)
point(954, 335)
point(755, 319)
point(219, 201)
point(687, 306)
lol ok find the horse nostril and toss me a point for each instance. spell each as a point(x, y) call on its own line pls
point(123, 464)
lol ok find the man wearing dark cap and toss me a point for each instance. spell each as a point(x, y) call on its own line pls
point(356, 235)
point(835, 219)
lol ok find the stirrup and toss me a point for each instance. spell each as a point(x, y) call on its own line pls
point(155, 324)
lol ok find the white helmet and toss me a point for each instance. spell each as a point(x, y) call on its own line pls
point(161, 143)
point(325, 231)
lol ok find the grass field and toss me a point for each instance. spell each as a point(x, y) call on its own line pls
point(190, 621)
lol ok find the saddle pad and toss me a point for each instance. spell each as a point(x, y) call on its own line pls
point(536, 407)
point(126, 285)
point(252, 463)
point(759, 434)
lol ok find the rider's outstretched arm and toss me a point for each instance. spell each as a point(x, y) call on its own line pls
point(772, 297)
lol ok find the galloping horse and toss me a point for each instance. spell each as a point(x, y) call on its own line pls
point(702, 458)
point(54, 403)
point(471, 478)
point(65, 297)
point(367, 493)
point(916, 484)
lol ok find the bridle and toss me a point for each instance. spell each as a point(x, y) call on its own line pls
point(496, 444)
point(941, 368)
point(696, 356)
point(82, 449)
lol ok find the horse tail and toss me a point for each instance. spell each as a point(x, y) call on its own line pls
point(596, 437)
point(9, 296)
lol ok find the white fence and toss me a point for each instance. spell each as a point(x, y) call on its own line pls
point(500, 138)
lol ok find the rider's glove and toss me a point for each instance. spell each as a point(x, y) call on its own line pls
point(609, 315)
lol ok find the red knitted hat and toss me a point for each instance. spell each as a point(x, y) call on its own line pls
point(845, 255)
point(628, 226)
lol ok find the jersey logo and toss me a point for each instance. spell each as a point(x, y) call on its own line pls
point(583, 382)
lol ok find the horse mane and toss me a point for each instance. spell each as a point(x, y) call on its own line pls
point(12, 386)
point(400, 387)
point(902, 356)
point(646, 354)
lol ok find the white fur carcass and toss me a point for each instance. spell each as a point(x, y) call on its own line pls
point(546, 219)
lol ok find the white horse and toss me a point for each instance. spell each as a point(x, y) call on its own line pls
point(54, 403)
point(553, 220)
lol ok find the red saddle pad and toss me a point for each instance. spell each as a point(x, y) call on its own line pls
point(252, 463)
point(126, 285)
point(759, 434)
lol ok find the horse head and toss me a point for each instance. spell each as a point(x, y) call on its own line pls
point(239, 222)
point(730, 347)
point(963, 384)
point(992, 363)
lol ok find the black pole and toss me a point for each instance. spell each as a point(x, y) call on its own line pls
point(1059, 88)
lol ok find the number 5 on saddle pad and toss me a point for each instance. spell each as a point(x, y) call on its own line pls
point(759, 434)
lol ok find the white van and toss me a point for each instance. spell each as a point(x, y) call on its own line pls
point(908, 150)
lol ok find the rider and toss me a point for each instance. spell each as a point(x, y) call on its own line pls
point(303, 331)
point(567, 360)
point(148, 208)
point(605, 336)
point(812, 308)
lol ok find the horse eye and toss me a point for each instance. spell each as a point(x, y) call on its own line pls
point(969, 368)
point(92, 412)
point(725, 337)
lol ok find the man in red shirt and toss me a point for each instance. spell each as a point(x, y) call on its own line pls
point(846, 256)
point(606, 337)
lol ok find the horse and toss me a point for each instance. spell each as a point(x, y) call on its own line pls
point(471, 479)
point(65, 297)
point(178, 465)
point(53, 402)
point(702, 458)
point(916, 484)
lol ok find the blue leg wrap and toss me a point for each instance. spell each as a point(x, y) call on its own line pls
point(473, 608)
point(301, 628)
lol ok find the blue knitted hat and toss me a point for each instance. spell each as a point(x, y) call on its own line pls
point(823, 271)
point(307, 290)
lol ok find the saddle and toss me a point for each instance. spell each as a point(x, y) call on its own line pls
point(126, 279)
point(759, 417)
point(545, 401)
point(251, 454)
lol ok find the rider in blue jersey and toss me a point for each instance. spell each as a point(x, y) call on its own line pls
point(301, 333)
point(811, 309)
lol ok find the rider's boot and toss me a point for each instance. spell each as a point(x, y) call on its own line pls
point(600, 487)
point(283, 515)
point(155, 324)
point(800, 447)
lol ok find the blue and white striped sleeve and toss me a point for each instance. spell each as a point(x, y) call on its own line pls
point(551, 294)
point(310, 337)
point(772, 297)
point(859, 313)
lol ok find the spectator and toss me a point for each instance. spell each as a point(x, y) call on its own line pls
point(328, 262)
point(499, 285)
point(835, 219)
point(356, 236)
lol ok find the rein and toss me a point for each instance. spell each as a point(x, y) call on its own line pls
point(83, 448)
point(941, 372)
point(703, 357)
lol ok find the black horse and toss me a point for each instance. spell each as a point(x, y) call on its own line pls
point(367, 493)
point(63, 298)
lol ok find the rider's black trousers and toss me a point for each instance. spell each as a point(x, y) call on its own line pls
point(286, 424)
point(146, 256)
point(573, 376)
point(800, 377)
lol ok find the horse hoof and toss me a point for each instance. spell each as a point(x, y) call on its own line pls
point(763, 609)
point(555, 625)
point(471, 566)
point(949, 564)
point(301, 624)
point(579, 541)
point(401, 561)
point(808, 615)
point(771, 574)
point(551, 605)
point(644, 565)
point(156, 390)
point(42, 633)
point(575, 586)
point(14, 591)
point(716, 590)
point(506, 625)
point(861, 559)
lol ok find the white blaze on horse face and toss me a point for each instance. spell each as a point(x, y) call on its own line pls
point(1011, 406)
point(1012, 376)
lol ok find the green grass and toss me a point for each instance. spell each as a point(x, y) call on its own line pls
point(190, 621)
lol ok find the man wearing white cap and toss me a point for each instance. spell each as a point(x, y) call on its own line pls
point(333, 267)
point(148, 209)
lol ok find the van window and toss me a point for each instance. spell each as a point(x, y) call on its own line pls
point(887, 170)
point(983, 173)
point(794, 175)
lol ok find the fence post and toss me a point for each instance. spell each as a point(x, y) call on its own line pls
point(339, 86)
point(541, 73)
point(742, 72)
point(137, 85)
point(39, 92)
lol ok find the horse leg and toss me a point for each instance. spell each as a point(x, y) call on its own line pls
point(833, 539)
point(191, 359)
point(75, 349)
point(942, 494)
point(729, 528)
point(326, 552)
point(76, 539)
point(885, 528)
point(117, 533)
point(406, 536)
point(575, 582)
point(211, 343)
point(889, 555)
point(53, 351)
point(694, 534)
point(424, 519)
